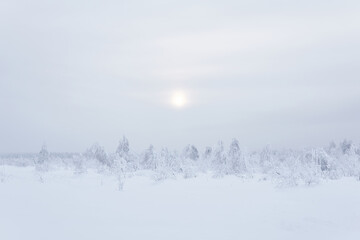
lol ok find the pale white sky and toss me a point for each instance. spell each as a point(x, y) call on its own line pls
point(285, 73)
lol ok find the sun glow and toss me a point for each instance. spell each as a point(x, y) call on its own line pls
point(179, 99)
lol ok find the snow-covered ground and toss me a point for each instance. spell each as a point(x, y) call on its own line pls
point(89, 206)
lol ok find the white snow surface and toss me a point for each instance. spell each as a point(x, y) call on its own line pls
point(88, 206)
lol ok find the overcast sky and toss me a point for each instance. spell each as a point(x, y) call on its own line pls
point(75, 72)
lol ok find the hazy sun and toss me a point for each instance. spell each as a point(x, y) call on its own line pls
point(179, 99)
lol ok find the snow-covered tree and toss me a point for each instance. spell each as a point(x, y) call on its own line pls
point(149, 159)
point(189, 163)
point(235, 160)
point(219, 160)
point(42, 161)
point(79, 165)
point(123, 148)
point(167, 165)
point(346, 146)
point(43, 155)
point(123, 151)
point(119, 170)
point(205, 161)
point(191, 152)
point(97, 155)
point(266, 160)
point(102, 156)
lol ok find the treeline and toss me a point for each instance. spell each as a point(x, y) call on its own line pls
point(287, 167)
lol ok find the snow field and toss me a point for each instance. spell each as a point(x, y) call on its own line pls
point(89, 206)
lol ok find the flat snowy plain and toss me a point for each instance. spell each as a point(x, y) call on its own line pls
point(89, 206)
